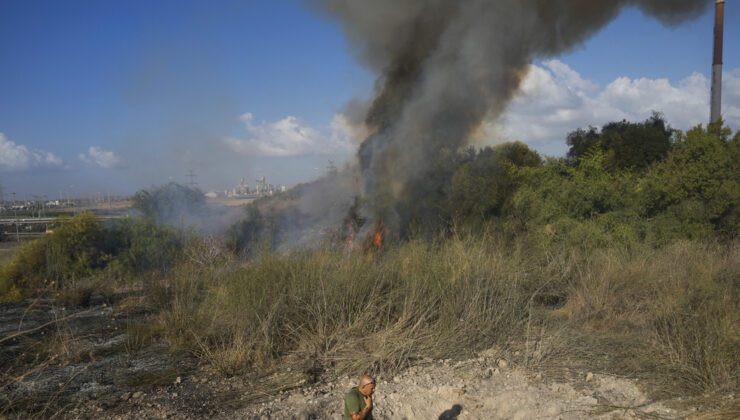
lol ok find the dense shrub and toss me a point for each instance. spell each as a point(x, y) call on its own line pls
point(697, 188)
point(627, 184)
point(693, 193)
point(140, 245)
point(74, 250)
point(481, 187)
point(81, 247)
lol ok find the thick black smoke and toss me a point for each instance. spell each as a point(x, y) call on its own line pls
point(446, 65)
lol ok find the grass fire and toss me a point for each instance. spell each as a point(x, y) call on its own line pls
point(460, 270)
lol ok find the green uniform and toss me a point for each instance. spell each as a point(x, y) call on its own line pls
point(354, 402)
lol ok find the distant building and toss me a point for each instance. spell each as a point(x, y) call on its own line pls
point(262, 188)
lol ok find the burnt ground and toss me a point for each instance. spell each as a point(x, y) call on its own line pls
point(99, 362)
point(79, 362)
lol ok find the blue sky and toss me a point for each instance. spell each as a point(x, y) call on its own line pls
point(103, 95)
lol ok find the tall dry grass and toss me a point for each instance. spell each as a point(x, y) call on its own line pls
point(670, 315)
point(677, 309)
point(352, 312)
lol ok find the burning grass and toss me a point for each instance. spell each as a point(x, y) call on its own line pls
point(669, 315)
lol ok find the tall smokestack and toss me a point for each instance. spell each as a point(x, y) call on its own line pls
point(719, 29)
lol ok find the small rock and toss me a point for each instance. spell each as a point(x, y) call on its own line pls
point(126, 396)
point(137, 395)
point(396, 379)
point(589, 377)
point(503, 364)
point(178, 380)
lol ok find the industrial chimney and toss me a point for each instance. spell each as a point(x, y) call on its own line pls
point(719, 28)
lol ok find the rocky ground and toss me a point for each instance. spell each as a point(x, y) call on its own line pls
point(483, 388)
point(89, 363)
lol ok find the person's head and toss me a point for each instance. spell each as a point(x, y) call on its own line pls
point(366, 385)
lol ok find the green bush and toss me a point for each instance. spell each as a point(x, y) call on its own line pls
point(140, 246)
point(697, 186)
point(81, 247)
point(483, 185)
point(74, 250)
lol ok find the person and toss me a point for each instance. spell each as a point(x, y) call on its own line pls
point(358, 402)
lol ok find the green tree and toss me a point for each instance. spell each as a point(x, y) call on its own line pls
point(482, 186)
point(698, 184)
point(626, 145)
point(169, 203)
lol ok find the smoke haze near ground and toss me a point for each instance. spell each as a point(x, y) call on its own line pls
point(446, 66)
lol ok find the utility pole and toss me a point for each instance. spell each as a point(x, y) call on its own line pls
point(191, 177)
point(331, 169)
point(15, 217)
point(719, 29)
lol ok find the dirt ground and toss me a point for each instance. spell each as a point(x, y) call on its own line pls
point(91, 363)
point(482, 388)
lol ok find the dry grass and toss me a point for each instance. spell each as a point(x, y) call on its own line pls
point(669, 315)
point(351, 313)
point(679, 307)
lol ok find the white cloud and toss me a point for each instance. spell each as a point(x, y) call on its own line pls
point(290, 137)
point(555, 100)
point(103, 158)
point(18, 158)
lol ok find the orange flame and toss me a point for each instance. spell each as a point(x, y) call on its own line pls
point(378, 237)
point(350, 234)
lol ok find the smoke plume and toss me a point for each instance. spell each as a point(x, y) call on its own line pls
point(446, 65)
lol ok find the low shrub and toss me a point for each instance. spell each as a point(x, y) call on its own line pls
point(81, 248)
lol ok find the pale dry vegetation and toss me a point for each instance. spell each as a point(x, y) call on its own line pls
point(669, 315)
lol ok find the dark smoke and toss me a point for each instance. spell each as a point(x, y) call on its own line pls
point(445, 66)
